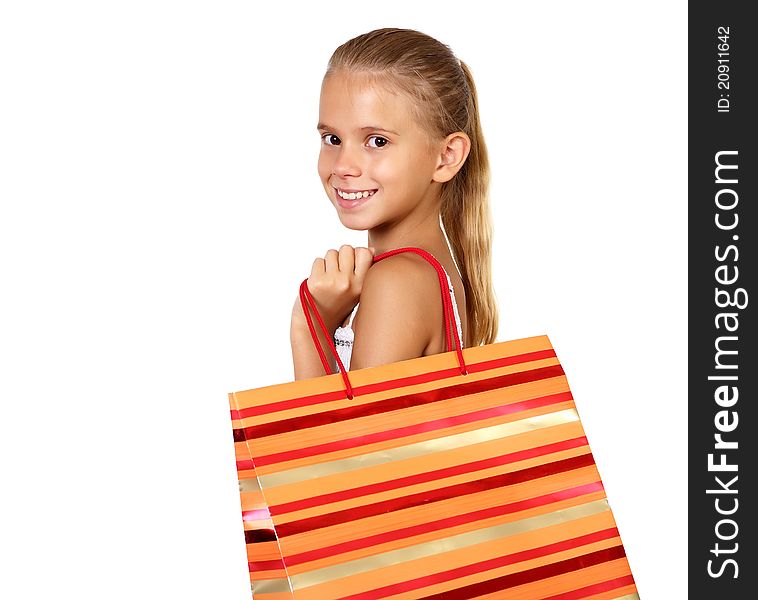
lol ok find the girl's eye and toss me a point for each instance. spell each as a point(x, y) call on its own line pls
point(381, 142)
point(328, 139)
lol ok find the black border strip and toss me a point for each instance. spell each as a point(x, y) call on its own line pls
point(722, 268)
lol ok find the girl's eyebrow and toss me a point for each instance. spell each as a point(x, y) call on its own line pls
point(325, 127)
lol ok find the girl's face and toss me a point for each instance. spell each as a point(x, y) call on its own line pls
point(371, 144)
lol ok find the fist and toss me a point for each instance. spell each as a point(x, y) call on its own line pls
point(336, 282)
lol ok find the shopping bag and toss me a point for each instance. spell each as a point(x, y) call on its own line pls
point(465, 474)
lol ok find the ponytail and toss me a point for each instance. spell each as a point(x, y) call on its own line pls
point(466, 217)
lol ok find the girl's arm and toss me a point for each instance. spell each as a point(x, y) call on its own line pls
point(305, 358)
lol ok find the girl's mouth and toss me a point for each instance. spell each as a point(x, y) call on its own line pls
point(353, 199)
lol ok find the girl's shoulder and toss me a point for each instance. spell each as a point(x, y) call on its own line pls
point(399, 304)
point(398, 311)
point(406, 275)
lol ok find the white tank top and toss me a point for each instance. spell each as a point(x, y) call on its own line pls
point(344, 336)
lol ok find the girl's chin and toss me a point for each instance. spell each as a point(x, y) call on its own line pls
point(356, 224)
point(355, 220)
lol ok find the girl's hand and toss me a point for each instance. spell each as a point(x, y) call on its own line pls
point(336, 282)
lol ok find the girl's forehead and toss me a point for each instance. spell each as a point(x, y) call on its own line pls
point(349, 100)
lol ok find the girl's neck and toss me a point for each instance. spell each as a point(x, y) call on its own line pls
point(425, 233)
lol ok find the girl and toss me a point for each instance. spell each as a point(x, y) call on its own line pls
point(402, 151)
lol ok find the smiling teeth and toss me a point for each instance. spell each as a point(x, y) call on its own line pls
point(355, 195)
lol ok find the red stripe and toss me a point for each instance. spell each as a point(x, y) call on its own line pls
point(392, 404)
point(441, 524)
point(485, 565)
point(531, 575)
point(409, 430)
point(392, 384)
point(266, 565)
point(438, 495)
point(591, 590)
point(245, 465)
point(257, 536)
point(400, 482)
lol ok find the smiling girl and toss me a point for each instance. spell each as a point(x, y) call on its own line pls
point(402, 157)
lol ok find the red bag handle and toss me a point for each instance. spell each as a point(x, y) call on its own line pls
point(451, 330)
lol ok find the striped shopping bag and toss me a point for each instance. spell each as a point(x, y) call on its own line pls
point(461, 475)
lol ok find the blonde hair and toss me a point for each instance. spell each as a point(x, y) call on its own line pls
point(445, 101)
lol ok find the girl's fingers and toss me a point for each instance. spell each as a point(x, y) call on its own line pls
point(332, 261)
point(364, 258)
point(346, 259)
point(318, 268)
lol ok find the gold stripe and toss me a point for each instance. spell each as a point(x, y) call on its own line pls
point(449, 442)
point(628, 597)
point(455, 542)
point(272, 586)
point(251, 484)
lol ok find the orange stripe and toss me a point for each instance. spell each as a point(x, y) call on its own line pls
point(266, 575)
point(252, 501)
point(263, 551)
point(241, 451)
point(246, 473)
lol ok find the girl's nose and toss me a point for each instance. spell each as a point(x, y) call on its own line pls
point(347, 162)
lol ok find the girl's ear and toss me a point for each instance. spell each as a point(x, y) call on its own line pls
point(454, 152)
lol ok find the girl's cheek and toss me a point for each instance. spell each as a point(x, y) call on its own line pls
point(323, 165)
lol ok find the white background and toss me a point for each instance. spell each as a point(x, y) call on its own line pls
point(160, 206)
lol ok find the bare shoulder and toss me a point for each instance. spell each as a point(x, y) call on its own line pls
point(407, 275)
point(397, 311)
